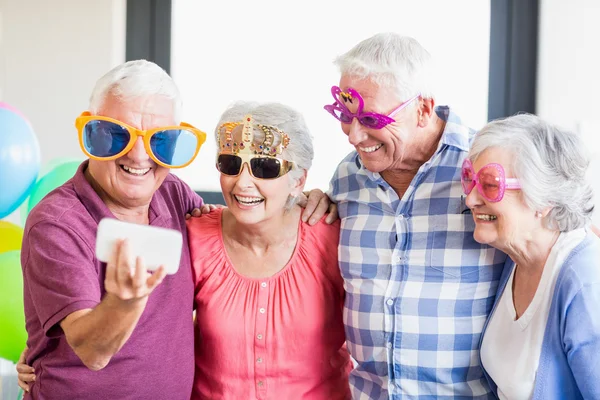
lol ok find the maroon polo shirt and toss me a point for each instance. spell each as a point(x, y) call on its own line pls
point(61, 275)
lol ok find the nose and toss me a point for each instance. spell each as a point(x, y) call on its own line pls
point(138, 152)
point(245, 179)
point(474, 198)
point(356, 133)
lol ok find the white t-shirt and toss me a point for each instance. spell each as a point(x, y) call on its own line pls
point(510, 351)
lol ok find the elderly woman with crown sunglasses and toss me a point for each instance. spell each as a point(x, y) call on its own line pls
point(525, 184)
point(269, 293)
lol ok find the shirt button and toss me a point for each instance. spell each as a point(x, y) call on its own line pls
point(389, 345)
point(390, 302)
point(263, 284)
point(261, 310)
point(259, 336)
point(260, 383)
point(259, 360)
point(400, 216)
point(398, 259)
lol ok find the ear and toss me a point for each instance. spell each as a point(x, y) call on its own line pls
point(298, 184)
point(426, 111)
point(545, 211)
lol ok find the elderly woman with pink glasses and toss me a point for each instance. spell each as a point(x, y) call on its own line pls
point(525, 184)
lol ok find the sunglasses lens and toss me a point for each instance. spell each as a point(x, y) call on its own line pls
point(342, 116)
point(174, 147)
point(489, 180)
point(229, 164)
point(265, 167)
point(466, 178)
point(104, 138)
point(372, 122)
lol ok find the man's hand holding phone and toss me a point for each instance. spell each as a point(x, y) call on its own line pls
point(127, 277)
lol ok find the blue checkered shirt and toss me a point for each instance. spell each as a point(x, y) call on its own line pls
point(418, 286)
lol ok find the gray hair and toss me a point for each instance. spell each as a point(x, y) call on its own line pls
point(389, 59)
point(135, 79)
point(300, 149)
point(550, 164)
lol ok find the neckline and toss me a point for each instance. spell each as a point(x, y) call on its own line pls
point(286, 267)
point(531, 310)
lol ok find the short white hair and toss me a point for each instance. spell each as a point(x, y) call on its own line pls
point(391, 60)
point(550, 164)
point(136, 79)
point(300, 149)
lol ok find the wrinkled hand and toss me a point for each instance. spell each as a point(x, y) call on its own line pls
point(25, 373)
point(316, 204)
point(206, 208)
point(128, 279)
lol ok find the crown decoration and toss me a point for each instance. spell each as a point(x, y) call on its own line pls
point(233, 140)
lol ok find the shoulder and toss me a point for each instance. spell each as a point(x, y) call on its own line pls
point(205, 227)
point(581, 268)
point(322, 239)
point(346, 177)
point(176, 191)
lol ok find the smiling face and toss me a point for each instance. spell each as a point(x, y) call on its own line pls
point(252, 201)
point(387, 148)
point(506, 222)
point(131, 180)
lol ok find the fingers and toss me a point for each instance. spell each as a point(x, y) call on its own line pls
point(110, 278)
point(333, 214)
point(124, 267)
point(23, 385)
point(205, 209)
point(188, 216)
point(23, 368)
point(138, 280)
point(26, 378)
point(156, 278)
point(320, 210)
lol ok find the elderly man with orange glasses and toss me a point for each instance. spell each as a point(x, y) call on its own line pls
point(83, 315)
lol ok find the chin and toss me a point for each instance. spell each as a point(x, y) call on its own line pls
point(483, 237)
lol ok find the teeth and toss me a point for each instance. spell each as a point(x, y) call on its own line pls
point(486, 217)
point(135, 171)
point(371, 149)
point(249, 200)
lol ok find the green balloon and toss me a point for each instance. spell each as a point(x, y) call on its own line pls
point(13, 336)
point(53, 179)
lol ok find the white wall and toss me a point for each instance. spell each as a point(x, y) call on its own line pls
point(272, 50)
point(568, 84)
point(51, 54)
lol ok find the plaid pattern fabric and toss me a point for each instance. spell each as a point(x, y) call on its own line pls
point(418, 286)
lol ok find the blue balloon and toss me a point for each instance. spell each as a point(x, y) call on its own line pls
point(19, 160)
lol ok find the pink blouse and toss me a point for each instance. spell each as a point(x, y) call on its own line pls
point(277, 338)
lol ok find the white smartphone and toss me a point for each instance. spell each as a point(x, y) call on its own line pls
point(157, 246)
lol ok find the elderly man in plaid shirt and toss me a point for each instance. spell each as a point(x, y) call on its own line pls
point(419, 288)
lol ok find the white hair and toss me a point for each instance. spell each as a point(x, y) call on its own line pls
point(136, 79)
point(300, 149)
point(550, 164)
point(389, 59)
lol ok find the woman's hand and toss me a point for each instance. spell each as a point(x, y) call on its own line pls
point(25, 373)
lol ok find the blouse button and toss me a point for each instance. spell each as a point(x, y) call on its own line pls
point(263, 284)
point(259, 360)
point(261, 310)
point(259, 336)
point(260, 383)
